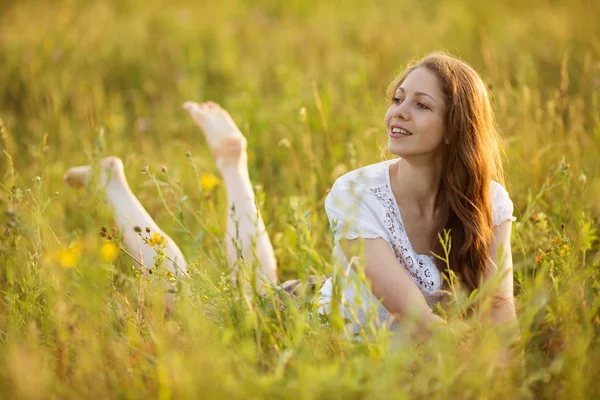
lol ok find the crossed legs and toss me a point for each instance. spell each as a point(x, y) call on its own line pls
point(248, 247)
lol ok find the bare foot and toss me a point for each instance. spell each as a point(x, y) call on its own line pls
point(110, 168)
point(77, 177)
point(224, 138)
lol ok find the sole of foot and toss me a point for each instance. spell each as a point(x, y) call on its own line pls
point(224, 138)
point(79, 176)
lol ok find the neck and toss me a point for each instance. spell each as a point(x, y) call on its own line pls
point(417, 181)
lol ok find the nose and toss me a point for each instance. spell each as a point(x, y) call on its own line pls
point(402, 111)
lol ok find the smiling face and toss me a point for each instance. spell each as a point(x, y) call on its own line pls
point(415, 119)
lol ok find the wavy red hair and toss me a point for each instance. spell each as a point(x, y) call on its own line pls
point(472, 160)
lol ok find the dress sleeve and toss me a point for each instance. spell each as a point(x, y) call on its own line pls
point(352, 214)
point(502, 205)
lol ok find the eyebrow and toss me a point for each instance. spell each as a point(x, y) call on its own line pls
point(418, 94)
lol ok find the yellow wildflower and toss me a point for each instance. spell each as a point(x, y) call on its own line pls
point(68, 258)
point(157, 240)
point(109, 251)
point(209, 181)
point(564, 250)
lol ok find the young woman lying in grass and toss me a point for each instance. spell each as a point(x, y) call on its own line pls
point(392, 214)
point(387, 217)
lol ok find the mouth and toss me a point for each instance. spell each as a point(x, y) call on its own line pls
point(397, 132)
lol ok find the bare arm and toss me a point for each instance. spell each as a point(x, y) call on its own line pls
point(390, 282)
point(502, 309)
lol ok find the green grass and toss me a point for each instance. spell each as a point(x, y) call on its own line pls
point(306, 82)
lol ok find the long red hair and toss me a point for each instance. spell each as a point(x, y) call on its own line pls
point(472, 160)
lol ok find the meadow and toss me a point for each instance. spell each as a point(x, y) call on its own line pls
point(306, 82)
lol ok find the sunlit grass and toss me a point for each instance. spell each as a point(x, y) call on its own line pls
point(305, 81)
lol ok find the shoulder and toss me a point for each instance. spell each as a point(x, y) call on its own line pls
point(499, 194)
point(502, 205)
point(352, 189)
point(362, 178)
point(351, 208)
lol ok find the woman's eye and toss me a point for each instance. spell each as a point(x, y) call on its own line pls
point(423, 106)
point(397, 100)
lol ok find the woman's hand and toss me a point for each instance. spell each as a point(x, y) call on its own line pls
point(499, 275)
point(391, 284)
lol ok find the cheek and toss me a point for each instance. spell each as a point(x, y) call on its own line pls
point(436, 125)
point(433, 128)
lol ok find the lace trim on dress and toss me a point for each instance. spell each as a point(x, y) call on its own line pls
point(361, 235)
point(503, 213)
point(420, 267)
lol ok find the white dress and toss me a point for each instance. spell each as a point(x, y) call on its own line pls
point(361, 205)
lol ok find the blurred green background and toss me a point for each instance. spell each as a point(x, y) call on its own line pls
point(71, 69)
point(305, 81)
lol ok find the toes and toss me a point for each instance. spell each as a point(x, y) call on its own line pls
point(191, 106)
point(211, 105)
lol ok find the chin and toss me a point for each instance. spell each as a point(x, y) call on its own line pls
point(398, 150)
point(406, 150)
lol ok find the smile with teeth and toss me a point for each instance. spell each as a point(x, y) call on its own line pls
point(401, 131)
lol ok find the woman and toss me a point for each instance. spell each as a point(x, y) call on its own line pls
point(440, 123)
